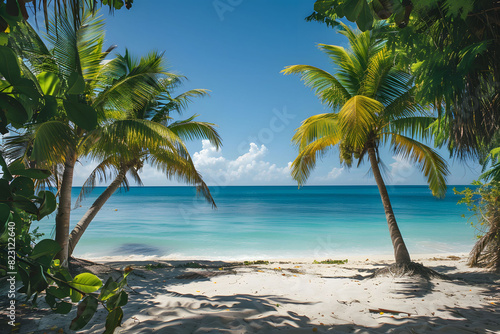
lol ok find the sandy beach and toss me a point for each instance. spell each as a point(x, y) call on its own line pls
point(294, 296)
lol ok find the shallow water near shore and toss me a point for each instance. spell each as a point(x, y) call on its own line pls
point(269, 222)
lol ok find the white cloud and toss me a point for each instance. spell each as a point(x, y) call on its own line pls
point(249, 168)
point(82, 171)
point(334, 173)
point(401, 170)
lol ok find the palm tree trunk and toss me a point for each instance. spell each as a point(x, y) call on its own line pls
point(64, 209)
point(400, 252)
point(82, 225)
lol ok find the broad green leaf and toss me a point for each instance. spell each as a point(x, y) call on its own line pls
point(85, 312)
point(32, 173)
point(9, 67)
point(48, 110)
point(86, 282)
point(117, 300)
point(49, 298)
point(6, 173)
point(14, 110)
point(113, 320)
point(23, 186)
point(63, 308)
point(25, 204)
point(5, 192)
point(118, 4)
point(45, 247)
point(76, 84)
point(56, 292)
point(81, 114)
point(321, 6)
point(365, 18)
point(48, 203)
point(4, 38)
point(108, 289)
point(49, 83)
point(4, 215)
point(27, 87)
point(75, 296)
point(353, 8)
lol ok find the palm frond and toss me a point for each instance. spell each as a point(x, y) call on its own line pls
point(180, 166)
point(430, 162)
point(106, 169)
point(305, 161)
point(190, 130)
point(163, 104)
point(315, 127)
point(135, 88)
point(326, 86)
point(349, 72)
point(129, 137)
point(358, 118)
point(51, 142)
point(415, 127)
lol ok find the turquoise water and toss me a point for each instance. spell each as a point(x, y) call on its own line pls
point(264, 222)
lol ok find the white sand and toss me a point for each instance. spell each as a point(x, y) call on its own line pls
point(301, 297)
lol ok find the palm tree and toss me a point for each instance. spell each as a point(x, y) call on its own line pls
point(92, 93)
point(127, 155)
point(373, 105)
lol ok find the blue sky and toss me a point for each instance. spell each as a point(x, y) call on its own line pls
point(236, 49)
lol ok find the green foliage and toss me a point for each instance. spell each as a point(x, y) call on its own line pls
point(330, 261)
point(249, 263)
point(483, 201)
point(373, 103)
point(34, 264)
point(366, 12)
point(150, 266)
point(452, 47)
point(191, 265)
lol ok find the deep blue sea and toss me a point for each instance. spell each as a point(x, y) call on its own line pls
point(269, 222)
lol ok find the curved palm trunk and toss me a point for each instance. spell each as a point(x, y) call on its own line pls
point(400, 252)
point(82, 225)
point(64, 209)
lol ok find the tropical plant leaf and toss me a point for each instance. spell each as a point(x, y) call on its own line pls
point(51, 142)
point(85, 312)
point(50, 84)
point(9, 67)
point(86, 282)
point(358, 119)
point(83, 115)
point(430, 163)
point(326, 86)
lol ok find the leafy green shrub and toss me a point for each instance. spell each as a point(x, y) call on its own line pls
point(330, 261)
point(249, 263)
point(484, 203)
point(155, 266)
point(21, 260)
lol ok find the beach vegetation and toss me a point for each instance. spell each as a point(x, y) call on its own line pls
point(115, 110)
point(194, 265)
point(330, 261)
point(483, 201)
point(250, 263)
point(452, 47)
point(373, 106)
point(122, 152)
point(33, 263)
point(153, 266)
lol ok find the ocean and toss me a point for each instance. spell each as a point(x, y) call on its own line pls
point(260, 222)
